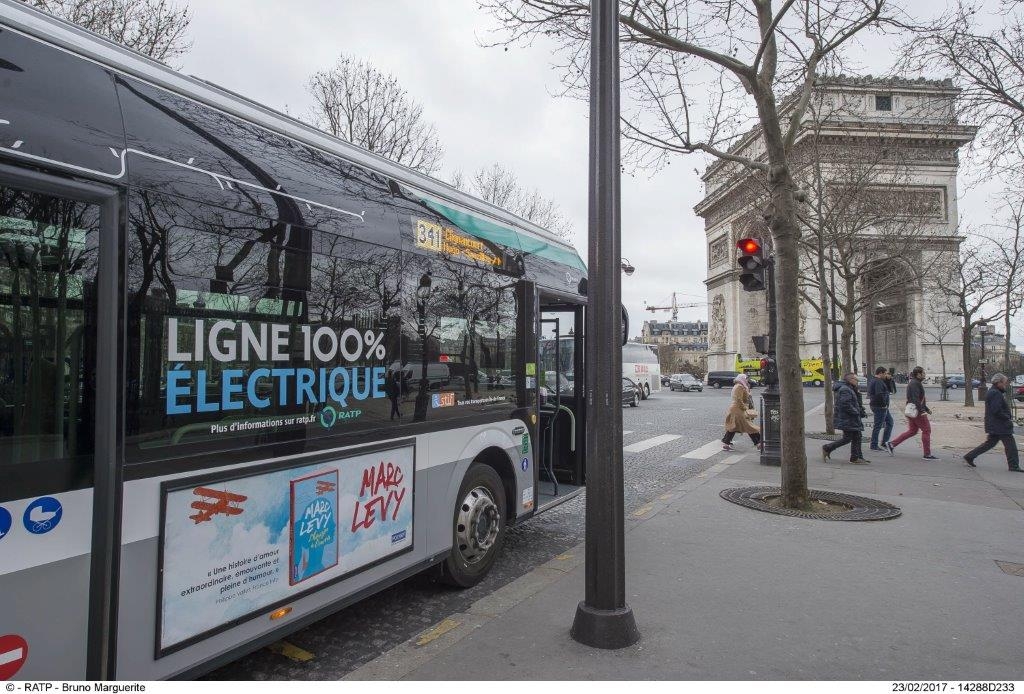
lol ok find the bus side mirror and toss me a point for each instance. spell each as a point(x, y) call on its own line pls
point(625, 325)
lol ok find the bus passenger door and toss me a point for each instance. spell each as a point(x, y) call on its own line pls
point(56, 447)
point(561, 404)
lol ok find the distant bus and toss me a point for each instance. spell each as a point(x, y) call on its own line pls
point(640, 364)
point(812, 370)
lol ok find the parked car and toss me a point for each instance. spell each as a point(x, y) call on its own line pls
point(630, 392)
point(720, 379)
point(862, 383)
point(666, 380)
point(955, 381)
point(685, 383)
point(1018, 393)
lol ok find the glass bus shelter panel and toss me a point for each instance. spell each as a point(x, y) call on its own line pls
point(180, 146)
point(48, 266)
point(82, 128)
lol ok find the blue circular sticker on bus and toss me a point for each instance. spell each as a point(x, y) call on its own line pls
point(42, 515)
point(5, 522)
point(525, 464)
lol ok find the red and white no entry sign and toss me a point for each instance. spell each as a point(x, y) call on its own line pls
point(13, 653)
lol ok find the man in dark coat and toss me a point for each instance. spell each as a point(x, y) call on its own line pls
point(848, 413)
point(998, 425)
point(878, 397)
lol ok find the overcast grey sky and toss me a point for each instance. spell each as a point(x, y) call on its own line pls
point(489, 105)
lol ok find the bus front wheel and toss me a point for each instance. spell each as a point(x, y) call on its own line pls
point(647, 391)
point(478, 530)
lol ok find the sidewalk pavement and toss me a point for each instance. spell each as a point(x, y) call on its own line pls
point(724, 592)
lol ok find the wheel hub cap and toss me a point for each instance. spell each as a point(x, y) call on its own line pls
point(477, 525)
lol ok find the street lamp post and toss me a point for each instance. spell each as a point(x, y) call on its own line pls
point(603, 619)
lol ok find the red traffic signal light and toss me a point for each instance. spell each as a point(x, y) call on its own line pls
point(751, 262)
point(749, 246)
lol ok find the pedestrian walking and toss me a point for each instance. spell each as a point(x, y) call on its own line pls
point(879, 391)
point(393, 389)
point(916, 412)
point(740, 415)
point(848, 417)
point(998, 425)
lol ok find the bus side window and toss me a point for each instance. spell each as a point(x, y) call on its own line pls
point(245, 330)
point(48, 260)
point(458, 338)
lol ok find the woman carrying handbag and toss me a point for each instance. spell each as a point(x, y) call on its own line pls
point(916, 412)
point(740, 415)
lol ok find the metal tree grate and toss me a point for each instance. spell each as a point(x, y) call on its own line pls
point(860, 508)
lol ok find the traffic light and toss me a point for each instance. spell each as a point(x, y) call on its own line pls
point(751, 262)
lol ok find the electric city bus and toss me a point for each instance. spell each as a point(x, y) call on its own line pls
point(249, 374)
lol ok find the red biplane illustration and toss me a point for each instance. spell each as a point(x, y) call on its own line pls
point(215, 501)
point(323, 487)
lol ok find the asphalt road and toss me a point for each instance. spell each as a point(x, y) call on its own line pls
point(661, 430)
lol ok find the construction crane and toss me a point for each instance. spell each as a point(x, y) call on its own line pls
point(674, 307)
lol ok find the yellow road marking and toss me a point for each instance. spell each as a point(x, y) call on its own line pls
point(666, 497)
point(436, 632)
point(290, 651)
point(642, 510)
point(564, 557)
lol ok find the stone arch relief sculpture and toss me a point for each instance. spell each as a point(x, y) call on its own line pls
point(716, 333)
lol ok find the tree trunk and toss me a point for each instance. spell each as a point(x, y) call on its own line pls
point(968, 391)
point(786, 234)
point(846, 344)
point(942, 356)
point(823, 335)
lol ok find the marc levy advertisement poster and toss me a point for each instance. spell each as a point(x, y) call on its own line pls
point(233, 547)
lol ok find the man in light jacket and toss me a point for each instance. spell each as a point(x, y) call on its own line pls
point(998, 425)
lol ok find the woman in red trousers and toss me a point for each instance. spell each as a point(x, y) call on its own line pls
point(919, 422)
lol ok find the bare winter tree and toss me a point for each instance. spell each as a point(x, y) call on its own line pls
point(500, 186)
point(759, 59)
point(865, 222)
point(863, 218)
point(938, 321)
point(974, 286)
point(988, 64)
point(154, 27)
point(1008, 242)
point(360, 104)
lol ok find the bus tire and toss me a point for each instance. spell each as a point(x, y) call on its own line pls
point(647, 391)
point(718, 386)
point(478, 527)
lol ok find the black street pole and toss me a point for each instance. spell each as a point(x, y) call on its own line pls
point(771, 450)
point(603, 619)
